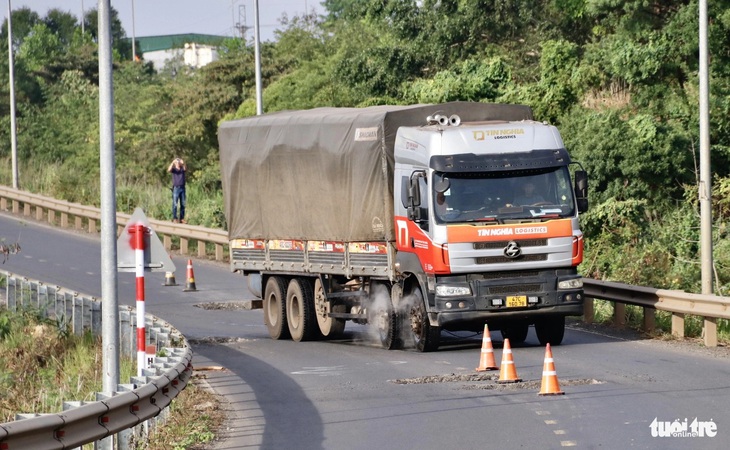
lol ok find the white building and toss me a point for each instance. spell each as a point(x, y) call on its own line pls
point(195, 50)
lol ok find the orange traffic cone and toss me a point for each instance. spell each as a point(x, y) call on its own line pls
point(549, 384)
point(487, 362)
point(190, 285)
point(507, 370)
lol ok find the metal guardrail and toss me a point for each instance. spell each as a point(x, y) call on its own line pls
point(123, 416)
point(80, 217)
point(679, 303)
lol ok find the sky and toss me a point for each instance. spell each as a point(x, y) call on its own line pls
point(163, 17)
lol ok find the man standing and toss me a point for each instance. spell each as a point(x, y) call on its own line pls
point(178, 168)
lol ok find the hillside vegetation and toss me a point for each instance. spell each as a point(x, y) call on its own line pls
point(618, 77)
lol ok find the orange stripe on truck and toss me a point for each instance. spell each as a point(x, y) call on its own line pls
point(479, 233)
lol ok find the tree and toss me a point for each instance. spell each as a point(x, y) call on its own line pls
point(62, 24)
point(122, 46)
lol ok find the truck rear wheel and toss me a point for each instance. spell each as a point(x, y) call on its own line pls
point(551, 330)
point(300, 310)
point(275, 308)
point(423, 336)
point(328, 326)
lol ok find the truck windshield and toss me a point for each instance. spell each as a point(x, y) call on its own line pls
point(503, 196)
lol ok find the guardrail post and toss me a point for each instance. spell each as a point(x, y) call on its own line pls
point(92, 226)
point(649, 319)
point(78, 223)
point(34, 295)
point(201, 249)
point(39, 213)
point(167, 242)
point(589, 313)
point(125, 330)
point(10, 293)
point(26, 209)
point(95, 317)
point(64, 220)
point(16, 206)
point(51, 217)
point(3, 203)
point(78, 315)
point(183, 245)
point(710, 331)
point(219, 252)
point(678, 325)
point(46, 305)
point(619, 314)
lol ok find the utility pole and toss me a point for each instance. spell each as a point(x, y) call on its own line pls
point(705, 188)
point(13, 126)
point(241, 24)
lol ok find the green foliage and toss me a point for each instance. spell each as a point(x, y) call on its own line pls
point(472, 80)
point(619, 78)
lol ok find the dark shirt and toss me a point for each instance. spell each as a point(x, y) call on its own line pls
point(178, 176)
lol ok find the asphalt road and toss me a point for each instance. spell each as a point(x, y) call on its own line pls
point(350, 394)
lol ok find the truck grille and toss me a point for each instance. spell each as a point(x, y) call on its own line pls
point(503, 244)
point(513, 289)
point(503, 259)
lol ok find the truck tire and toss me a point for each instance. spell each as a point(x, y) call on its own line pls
point(275, 308)
point(328, 326)
point(550, 330)
point(382, 317)
point(422, 335)
point(516, 332)
point(300, 310)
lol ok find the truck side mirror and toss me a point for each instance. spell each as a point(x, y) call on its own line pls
point(581, 190)
point(414, 196)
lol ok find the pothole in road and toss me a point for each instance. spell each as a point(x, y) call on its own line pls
point(227, 306)
point(492, 378)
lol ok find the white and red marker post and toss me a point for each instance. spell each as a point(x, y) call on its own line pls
point(139, 232)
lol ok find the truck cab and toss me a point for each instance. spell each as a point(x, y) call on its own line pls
point(487, 228)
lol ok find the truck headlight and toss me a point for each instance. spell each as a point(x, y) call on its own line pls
point(444, 290)
point(573, 283)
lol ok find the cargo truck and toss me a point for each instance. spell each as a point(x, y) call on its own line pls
point(406, 218)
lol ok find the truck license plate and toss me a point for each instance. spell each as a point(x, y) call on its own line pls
point(515, 301)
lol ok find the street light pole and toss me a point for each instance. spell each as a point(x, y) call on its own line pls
point(13, 126)
point(134, 38)
point(257, 45)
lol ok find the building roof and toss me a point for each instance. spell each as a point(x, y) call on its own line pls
point(170, 41)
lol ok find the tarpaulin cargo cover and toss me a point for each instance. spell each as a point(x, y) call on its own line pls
point(324, 173)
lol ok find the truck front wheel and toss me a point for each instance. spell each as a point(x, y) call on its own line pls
point(300, 310)
point(551, 330)
point(275, 308)
point(423, 336)
point(382, 317)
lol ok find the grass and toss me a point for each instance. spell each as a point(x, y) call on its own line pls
point(43, 365)
point(194, 419)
